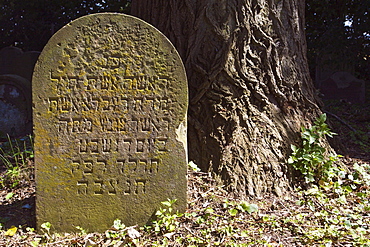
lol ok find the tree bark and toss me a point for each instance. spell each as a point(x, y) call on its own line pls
point(249, 85)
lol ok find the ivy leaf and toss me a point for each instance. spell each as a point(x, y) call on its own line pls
point(233, 211)
point(312, 139)
point(244, 206)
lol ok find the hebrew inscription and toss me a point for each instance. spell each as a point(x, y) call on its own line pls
point(110, 100)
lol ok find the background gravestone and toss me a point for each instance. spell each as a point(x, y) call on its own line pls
point(16, 68)
point(14, 61)
point(110, 102)
point(15, 106)
point(343, 85)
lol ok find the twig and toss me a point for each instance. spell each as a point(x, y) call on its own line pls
point(63, 240)
point(341, 120)
point(193, 233)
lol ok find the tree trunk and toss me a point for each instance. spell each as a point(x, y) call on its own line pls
point(249, 84)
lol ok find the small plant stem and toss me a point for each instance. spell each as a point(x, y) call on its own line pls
point(341, 120)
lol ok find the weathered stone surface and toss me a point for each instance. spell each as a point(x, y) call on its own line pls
point(343, 85)
point(110, 102)
point(15, 106)
point(14, 61)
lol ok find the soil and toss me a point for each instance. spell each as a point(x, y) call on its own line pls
point(350, 121)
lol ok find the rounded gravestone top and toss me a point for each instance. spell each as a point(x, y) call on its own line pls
point(110, 103)
point(14, 61)
point(15, 106)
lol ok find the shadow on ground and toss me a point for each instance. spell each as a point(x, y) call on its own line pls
point(18, 213)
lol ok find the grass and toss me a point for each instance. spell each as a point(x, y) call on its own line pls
point(15, 158)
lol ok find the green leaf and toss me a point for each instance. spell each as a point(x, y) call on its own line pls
point(265, 218)
point(347, 223)
point(172, 228)
point(117, 224)
point(209, 211)
point(46, 225)
point(36, 242)
point(323, 118)
point(9, 195)
point(312, 139)
point(233, 211)
point(157, 228)
point(243, 206)
point(291, 160)
point(169, 202)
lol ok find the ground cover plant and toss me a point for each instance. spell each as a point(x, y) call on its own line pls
point(15, 156)
point(331, 208)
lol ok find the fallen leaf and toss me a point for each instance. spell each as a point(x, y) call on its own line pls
point(169, 235)
point(90, 243)
point(11, 231)
point(119, 244)
point(132, 233)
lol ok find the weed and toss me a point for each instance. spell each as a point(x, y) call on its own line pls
point(235, 208)
point(82, 230)
point(15, 155)
point(45, 227)
point(332, 213)
point(9, 195)
point(166, 219)
point(311, 159)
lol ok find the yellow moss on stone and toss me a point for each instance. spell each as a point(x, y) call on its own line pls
point(62, 169)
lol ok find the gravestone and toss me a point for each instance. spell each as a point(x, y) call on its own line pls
point(14, 61)
point(16, 68)
point(110, 103)
point(15, 106)
point(343, 85)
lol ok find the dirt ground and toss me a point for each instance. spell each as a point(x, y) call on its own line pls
point(350, 121)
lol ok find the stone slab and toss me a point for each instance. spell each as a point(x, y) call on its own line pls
point(14, 61)
point(15, 106)
point(110, 103)
point(342, 85)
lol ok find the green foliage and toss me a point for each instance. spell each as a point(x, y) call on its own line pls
point(166, 219)
point(333, 213)
point(235, 208)
point(46, 226)
point(9, 195)
point(83, 231)
point(15, 156)
point(117, 232)
point(311, 159)
point(339, 209)
point(47, 237)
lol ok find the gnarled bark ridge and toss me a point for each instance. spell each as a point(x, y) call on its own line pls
point(249, 84)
